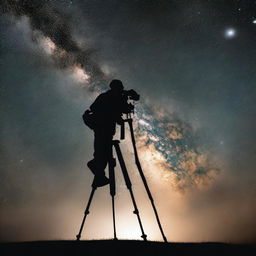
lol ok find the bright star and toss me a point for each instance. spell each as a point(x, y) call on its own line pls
point(254, 21)
point(230, 33)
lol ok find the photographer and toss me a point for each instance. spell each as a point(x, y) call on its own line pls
point(106, 111)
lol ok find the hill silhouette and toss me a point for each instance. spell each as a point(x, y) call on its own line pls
point(123, 247)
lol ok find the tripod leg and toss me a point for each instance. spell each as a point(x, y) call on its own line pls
point(86, 212)
point(137, 161)
point(129, 185)
point(112, 164)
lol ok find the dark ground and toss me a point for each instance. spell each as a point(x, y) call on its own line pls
point(123, 247)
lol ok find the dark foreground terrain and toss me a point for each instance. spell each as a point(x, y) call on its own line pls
point(123, 247)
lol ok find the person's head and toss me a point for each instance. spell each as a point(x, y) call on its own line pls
point(116, 86)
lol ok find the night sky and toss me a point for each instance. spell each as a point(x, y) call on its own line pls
point(193, 63)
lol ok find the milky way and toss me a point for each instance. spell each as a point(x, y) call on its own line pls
point(172, 138)
point(176, 141)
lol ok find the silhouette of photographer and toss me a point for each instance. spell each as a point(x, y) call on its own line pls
point(105, 112)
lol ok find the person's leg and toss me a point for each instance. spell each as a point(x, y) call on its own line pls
point(97, 164)
point(102, 152)
point(102, 146)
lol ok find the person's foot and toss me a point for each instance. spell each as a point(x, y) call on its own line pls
point(100, 181)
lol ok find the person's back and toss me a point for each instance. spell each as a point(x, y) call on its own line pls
point(107, 110)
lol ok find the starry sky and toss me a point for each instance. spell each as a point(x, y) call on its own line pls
point(192, 62)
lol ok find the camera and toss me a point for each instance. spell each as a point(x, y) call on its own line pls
point(130, 95)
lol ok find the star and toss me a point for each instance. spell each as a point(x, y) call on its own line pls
point(230, 33)
point(254, 21)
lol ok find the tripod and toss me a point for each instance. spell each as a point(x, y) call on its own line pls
point(111, 165)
